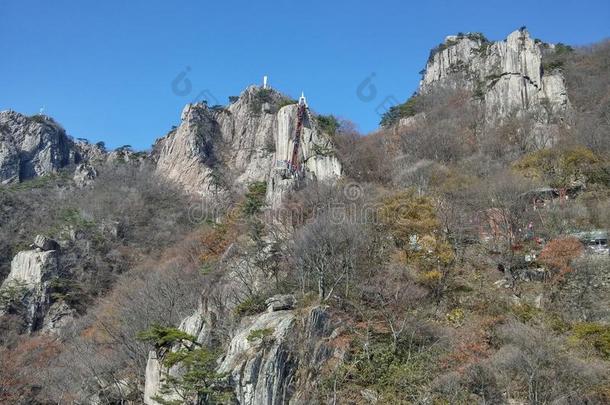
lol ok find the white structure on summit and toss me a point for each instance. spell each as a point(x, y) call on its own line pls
point(264, 82)
point(303, 100)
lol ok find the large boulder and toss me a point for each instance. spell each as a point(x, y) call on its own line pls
point(43, 243)
point(280, 302)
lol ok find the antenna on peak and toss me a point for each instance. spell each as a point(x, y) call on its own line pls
point(265, 82)
point(302, 99)
point(41, 111)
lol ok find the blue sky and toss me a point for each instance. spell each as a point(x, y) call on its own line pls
point(104, 69)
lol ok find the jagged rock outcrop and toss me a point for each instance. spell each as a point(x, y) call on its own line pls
point(260, 361)
point(28, 283)
point(58, 316)
point(44, 243)
point(84, 174)
point(263, 356)
point(508, 76)
point(32, 146)
point(215, 150)
point(194, 325)
point(280, 302)
point(267, 352)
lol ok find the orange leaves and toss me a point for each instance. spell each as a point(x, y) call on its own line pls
point(558, 254)
point(22, 367)
point(217, 238)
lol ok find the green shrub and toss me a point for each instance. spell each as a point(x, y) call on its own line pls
point(39, 118)
point(36, 182)
point(286, 101)
point(595, 335)
point(562, 49)
point(69, 291)
point(198, 378)
point(549, 66)
point(255, 198)
point(12, 292)
point(217, 107)
point(328, 124)
point(197, 382)
point(164, 337)
point(259, 334)
point(260, 97)
point(407, 109)
point(525, 312)
point(477, 36)
point(252, 305)
point(397, 374)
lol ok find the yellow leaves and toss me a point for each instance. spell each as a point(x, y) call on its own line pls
point(439, 249)
point(445, 253)
point(559, 166)
point(456, 317)
point(412, 221)
point(450, 180)
point(430, 278)
point(406, 214)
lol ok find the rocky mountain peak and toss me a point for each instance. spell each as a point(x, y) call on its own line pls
point(507, 76)
point(32, 146)
point(217, 149)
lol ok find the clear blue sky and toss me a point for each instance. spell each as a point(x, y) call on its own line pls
point(104, 69)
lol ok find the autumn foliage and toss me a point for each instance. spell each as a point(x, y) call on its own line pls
point(558, 254)
point(23, 368)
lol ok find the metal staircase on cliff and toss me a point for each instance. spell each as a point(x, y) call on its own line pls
point(293, 168)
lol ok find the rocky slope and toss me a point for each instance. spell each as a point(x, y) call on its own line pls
point(29, 285)
point(33, 146)
point(265, 354)
point(507, 76)
point(213, 150)
point(216, 150)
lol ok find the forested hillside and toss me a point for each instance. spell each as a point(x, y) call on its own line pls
point(262, 253)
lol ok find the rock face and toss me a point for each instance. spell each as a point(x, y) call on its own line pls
point(31, 273)
point(194, 325)
point(280, 302)
point(263, 356)
point(84, 174)
point(43, 243)
point(508, 76)
point(32, 146)
point(259, 361)
point(267, 351)
point(215, 150)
